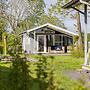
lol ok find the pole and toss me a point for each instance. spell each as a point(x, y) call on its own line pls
point(34, 42)
point(85, 35)
point(5, 45)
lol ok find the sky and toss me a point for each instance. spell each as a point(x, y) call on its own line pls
point(48, 3)
point(69, 23)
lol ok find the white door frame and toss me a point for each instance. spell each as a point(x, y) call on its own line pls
point(44, 36)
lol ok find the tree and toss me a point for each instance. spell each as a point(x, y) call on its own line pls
point(79, 31)
point(18, 13)
point(2, 36)
point(37, 7)
point(20, 10)
point(3, 33)
point(50, 19)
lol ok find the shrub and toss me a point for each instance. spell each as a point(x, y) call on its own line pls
point(42, 72)
point(77, 52)
point(19, 78)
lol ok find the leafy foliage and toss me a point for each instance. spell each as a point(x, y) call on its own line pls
point(57, 8)
point(51, 19)
point(3, 34)
point(76, 39)
point(51, 81)
point(41, 72)
point(88, 37)
point(77, 52)
point(14, 44)
point(19, 75)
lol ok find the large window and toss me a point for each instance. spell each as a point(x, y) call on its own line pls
point(58, 40)
point(50, 40)
point(70, 41)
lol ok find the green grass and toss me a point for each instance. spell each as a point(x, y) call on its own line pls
point(63, 64)
point(60, 65)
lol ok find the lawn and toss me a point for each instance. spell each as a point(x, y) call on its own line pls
point(64, 67)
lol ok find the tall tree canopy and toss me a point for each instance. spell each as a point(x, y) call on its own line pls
point(14, 12)
point(19, 10)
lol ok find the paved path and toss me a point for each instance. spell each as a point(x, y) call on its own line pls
point(82, 76)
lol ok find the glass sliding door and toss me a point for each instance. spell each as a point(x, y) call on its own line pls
point(41, 45)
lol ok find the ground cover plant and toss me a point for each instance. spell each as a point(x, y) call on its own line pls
point(46, 73)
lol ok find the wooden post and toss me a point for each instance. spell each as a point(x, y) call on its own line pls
point(5, 45)
point(34, 41)
point(85, 34)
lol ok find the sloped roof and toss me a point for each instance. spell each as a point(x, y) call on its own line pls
point(59, 29)
point(71, 3)
point(74, 3)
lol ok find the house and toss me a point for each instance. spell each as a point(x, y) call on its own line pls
point(47, 38)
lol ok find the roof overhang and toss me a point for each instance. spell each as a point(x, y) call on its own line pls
point(59, 29)
point(74, 3)
point(71, 4)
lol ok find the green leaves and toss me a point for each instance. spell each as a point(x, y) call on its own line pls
point(19, 77)
point(3, 35)
point(2, 24)
point(50, 19)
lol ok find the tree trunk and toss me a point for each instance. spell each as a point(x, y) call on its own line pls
point(80, 43)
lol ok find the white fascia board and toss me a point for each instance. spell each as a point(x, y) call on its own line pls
point(37, 28)
point(84, 2)
point(59, 29)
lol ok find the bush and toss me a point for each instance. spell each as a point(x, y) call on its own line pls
point(45, 73)
point(41, 72)
point(14, 44)
point(77, 52)
point(19, 78)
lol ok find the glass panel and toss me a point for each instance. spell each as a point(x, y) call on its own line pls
point(50, 40)
point(70, 41)
point(40, 43)
point(57, 40)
